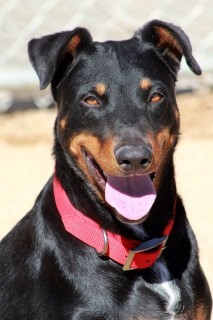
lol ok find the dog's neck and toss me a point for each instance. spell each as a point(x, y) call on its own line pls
point(131, 254)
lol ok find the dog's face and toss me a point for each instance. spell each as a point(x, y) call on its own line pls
point(118, 119)
point(117, 111)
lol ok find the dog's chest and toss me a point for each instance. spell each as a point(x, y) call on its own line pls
point(143, 300)
point(165, 298)
point(170, 297)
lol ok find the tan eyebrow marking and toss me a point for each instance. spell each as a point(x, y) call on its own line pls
point(145, 84)
point(100, 88)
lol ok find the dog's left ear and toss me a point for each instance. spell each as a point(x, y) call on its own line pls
point(171, 42)
point(50, 55)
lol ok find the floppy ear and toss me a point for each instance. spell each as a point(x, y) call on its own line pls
point(171, 42)
point(47, 53)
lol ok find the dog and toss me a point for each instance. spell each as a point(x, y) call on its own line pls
point(108, 237)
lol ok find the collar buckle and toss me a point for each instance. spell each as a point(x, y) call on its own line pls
point(145, 247)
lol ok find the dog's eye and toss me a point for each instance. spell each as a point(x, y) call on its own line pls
point(91, 101)
point(156, 97)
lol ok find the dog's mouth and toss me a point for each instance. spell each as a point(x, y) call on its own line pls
point(131, 196)
point(95, 170)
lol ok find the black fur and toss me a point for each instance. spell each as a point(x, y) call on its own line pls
point(46, 273)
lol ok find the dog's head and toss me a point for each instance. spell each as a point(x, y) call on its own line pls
point(118, 119)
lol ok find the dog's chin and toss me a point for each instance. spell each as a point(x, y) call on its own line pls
point(100, 179)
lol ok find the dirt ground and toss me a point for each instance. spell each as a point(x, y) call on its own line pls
point(26, 163)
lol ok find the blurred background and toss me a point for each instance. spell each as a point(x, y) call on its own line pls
point(27, 114)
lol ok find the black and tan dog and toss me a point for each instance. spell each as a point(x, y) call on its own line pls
point(93, 245)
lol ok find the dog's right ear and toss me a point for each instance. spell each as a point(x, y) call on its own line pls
point(47, 53)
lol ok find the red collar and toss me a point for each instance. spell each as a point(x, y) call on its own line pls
point(129, 253)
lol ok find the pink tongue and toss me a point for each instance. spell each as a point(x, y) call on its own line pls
point(132, 197)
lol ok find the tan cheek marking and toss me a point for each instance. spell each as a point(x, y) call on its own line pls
point(145, 84)
point(83, 140)
point(157, 150)
point(100, 88)
point(63, 123)
point(163, 137)
point(161, 144)
point(106, 158)
point(75, 145)
point(101, 152)
point(200, 313)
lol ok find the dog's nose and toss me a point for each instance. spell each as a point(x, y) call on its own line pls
point(133, 158)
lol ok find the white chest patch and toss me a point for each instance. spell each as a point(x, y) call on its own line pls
point(166, 289)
